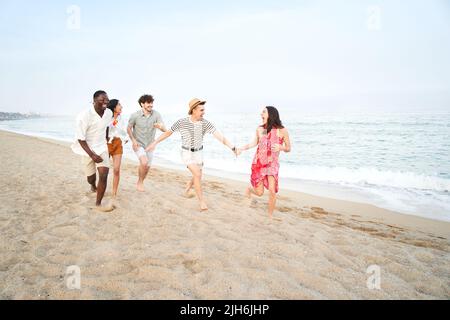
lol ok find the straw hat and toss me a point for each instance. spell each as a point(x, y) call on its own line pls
point(195, 103)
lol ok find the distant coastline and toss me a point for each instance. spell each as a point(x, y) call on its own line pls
point(4, 116)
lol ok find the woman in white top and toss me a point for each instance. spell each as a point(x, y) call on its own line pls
point(192, 130)
point(116, 134)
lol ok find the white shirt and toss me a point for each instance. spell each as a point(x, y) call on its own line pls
point(92, 128)
point(118, 130)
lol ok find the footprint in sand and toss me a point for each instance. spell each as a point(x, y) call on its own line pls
point(115, 203)
point(63, 230)
point(189, 195)
point(103, 209)
point(192, 265)
point(8, 264)
point(215, 186)
point(319, 210)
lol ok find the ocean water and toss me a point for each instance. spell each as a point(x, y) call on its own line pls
point(395, 161)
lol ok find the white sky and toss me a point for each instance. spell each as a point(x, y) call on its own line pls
point(318, 56)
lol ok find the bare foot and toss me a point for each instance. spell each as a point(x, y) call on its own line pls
point(203, 207)
point(188, 195)
point(272, 218)
point(189, 185)
point(188, 188)
point(140, 187)
point(108, 208)
point(248, 194)
point(93, 189)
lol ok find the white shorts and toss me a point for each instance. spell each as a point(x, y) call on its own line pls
point(90, 166)
point(142, 153)
point(188, 157)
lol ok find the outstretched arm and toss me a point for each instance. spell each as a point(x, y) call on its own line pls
point(160, 124)
point(224, 140)
point(161, 138)
point(252, 144)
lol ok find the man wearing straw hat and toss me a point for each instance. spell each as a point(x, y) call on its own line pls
point(192, 130)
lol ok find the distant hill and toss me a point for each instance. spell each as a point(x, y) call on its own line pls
point(17, 116)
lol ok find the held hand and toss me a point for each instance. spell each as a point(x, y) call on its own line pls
point(238, 152)
point(277, 148)
point(96, 158)
point(135, 146)
point(150, 148)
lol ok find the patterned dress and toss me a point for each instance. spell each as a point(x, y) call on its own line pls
point(265, 163)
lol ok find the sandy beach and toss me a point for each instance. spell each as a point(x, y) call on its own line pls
point(157, 245)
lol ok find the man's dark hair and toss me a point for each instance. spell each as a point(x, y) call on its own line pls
point(145, 98)
point(98, 93)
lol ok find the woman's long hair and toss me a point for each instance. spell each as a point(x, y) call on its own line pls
point(273, 121)
point(113, 104)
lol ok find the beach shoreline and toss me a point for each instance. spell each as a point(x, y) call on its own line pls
point(345, 206)
point(306, 187)
point(158, 246)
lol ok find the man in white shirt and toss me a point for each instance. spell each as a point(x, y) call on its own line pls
point(91, 144)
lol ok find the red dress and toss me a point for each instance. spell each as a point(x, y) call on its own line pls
point(265, 163)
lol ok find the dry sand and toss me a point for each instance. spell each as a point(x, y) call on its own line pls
point(158, 245)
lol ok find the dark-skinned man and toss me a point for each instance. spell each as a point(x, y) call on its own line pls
point(91, 144)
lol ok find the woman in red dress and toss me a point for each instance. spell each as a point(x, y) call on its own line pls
point(271, 138)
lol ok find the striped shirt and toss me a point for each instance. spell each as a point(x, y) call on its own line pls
point(192, 133)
